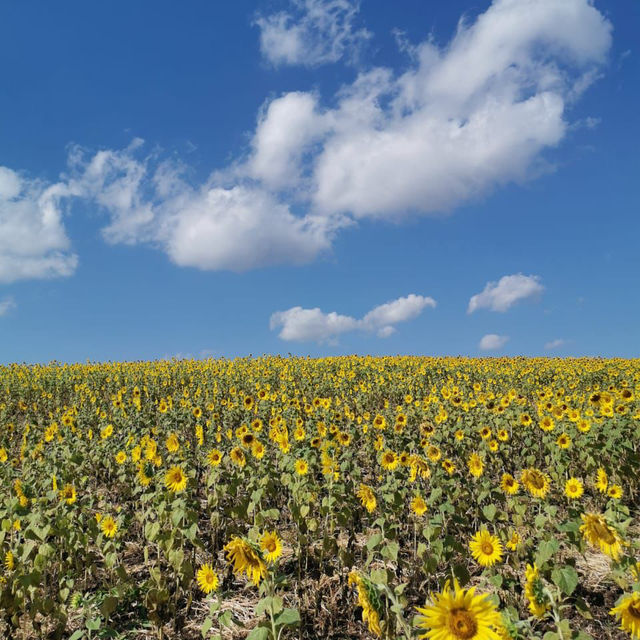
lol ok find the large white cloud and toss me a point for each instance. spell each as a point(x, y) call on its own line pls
point(312, 32)
point(492, 342)
point(460, 120)
point(313, 325)
point(33, 239)
point(502, 295)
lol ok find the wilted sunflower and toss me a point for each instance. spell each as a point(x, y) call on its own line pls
point(602, 481)
point(175, 479)
point(628, 613)
point(237, 457)
point(534, 591)
point(486, 548)
point(207, 578)
point(599, 533)
point(271, 546)
point(536, 482)
point(459, 614)
point(369, 600)
point(367, 497)
point(68, 494)
point(573, 488)
point(246, 559)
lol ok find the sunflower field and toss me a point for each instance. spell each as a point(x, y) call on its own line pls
point(352, 497)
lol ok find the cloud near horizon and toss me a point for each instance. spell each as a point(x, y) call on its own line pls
point(492, 342)
point(313, 325)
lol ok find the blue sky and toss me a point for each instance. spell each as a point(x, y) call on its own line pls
point(319, 177)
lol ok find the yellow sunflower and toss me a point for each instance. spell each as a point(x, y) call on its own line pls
point(628, 613)
point(418, 506)
point(536, 482)
point(214, 457)
point(459, 614)
point(109, 526)
point(367, 497)
point(246, 559)
point(486, 548)
point(175, 479)
point(271, 546)
point(534, 591)
point(573, 488)
point(207, 578)
point(597, 531)
point(509, 484)
point(476, 465)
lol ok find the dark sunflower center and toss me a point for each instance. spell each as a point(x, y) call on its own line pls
point(462, 624)
point(634, 610)
point(487, 548)
point(537, 480)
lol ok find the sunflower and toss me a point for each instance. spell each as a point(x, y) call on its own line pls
point(459, 614)
point(615, 491)
point(485, 433)
point(301, 467)
point(448, 466)
point(109, 526)
point(597, 531)
point(389, 460)
point(246, 559)
point(68, 494)
point(271, 546)
point(121, 457)
point(433, 453)
point(503, 436)
point(525, 420)
point(602, 481)
point(547, 423)
point(485, 548)
point(258, 450)
point(237, 457)
point(536, 482)
point(367, 497)
point(476, 465)
point(418, 506)
point(172, 443)
point(628, 613)
point(145, 474)
point(509, 484)
point(214, 457)
point(573, 488)
point(583, 426)
point(369, 600)
point(564, 441)
point(207, 578)
point(534, 591)
point(175, 479)
point(514, 541)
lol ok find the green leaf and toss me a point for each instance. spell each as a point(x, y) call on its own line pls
point(259, 633)
point(108, 606)
point(288, 617)
point(489, 512)
point(76, 635)
point(566, 579)
point(374, 541)
point(461, 572)
point(206, 625)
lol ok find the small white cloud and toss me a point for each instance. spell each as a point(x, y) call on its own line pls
point(6, 305)
point(501, 295)
point(33, 240)
point(555, 344)
point(492, 341)
point(313, 325)
point(312, 32)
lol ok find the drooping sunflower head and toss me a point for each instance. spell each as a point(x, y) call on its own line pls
point(598, 532)
point(367, 497)
point(534, 591)
point(246, 558)
point(536, 482)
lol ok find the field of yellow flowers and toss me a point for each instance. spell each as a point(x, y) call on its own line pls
point(352, 497)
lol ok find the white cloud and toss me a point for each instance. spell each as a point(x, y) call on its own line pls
point(461, 120)
point(6, 305)
point(312, 32)
point(501, 295)
point(383, 318)
point(33, 240)
point(492, 342)
point(555, 344)
point(210, 226)
point(306, 325)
